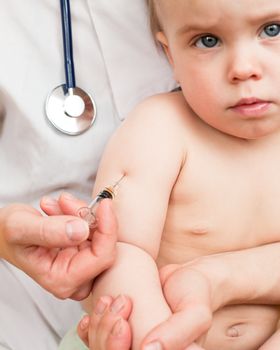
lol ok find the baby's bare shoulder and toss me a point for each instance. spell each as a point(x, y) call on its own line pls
point(166, 110)
point(153, 130)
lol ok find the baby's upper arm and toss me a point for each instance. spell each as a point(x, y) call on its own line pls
point(148, 150)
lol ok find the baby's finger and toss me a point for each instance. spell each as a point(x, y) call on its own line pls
point(120, 337)
point(98, 335)
point(88, 326)
point(108, 327)
point(83, 328)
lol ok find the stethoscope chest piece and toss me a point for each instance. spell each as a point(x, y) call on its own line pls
point(72, 111)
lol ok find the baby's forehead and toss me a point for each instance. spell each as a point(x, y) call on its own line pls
point(166, 6)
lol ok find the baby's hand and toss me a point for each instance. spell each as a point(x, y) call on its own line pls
point(107, 327)
point(188, 294)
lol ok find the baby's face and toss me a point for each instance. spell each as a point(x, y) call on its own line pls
point(226, 57)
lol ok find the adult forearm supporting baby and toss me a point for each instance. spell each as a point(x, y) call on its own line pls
point(248, 276)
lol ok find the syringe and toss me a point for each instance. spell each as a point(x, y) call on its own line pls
point(88, 213)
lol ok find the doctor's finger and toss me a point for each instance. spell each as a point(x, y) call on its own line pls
point(26, 228)
point(50, 206)
point(69, 204)
point(66, 204)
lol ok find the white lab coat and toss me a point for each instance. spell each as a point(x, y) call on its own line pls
point(117, 63)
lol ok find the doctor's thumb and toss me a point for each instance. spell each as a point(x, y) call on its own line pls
point(105, 235)
point(50, 232)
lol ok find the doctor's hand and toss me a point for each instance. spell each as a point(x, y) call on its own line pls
point(54, 250)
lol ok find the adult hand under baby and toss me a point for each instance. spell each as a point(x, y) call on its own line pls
point(54, 249)
point(189, 290)
point(195, 290)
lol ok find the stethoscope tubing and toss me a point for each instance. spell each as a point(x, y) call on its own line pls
point(69, 108)
point(67, 44)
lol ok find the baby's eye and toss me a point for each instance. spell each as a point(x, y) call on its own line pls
point(206, 41)
point(271, 30)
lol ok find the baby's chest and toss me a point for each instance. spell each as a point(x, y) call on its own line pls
point(226, 204)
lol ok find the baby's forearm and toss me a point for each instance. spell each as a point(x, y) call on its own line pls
point(135, 274)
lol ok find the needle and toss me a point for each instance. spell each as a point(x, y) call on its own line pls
point(107, 192)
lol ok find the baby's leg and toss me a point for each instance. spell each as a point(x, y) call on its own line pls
point(242, 327)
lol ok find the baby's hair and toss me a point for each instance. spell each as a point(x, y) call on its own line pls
point(154, 20)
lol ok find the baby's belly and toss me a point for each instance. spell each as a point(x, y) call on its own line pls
point(241, 327)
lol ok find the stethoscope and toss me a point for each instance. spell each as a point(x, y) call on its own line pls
point(70, 109)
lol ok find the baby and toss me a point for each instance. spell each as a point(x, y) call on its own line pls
point(201, 165)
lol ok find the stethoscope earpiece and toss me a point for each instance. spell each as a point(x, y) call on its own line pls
point(69, 109)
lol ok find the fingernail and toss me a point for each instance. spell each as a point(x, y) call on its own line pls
point(118, 328)
point(77, 230)
point(68, 195)
point(153, 346)
point(118, 304)
point(84, 322)
point(100, 307)
point(49, 202)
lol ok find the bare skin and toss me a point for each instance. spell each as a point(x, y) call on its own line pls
point(107, 328)
point(201, 166)
point(64, 264)
point(194, 227)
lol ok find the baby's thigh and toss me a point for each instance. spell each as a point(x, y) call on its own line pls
point(241, 327)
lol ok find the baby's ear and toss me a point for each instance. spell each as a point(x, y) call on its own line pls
point(161, 38)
